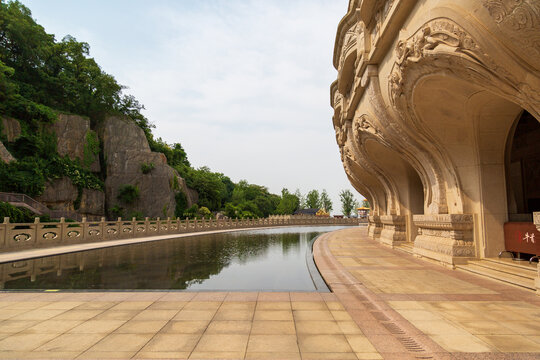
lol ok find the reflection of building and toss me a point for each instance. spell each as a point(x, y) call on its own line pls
point(363, 212)
point(436, 109)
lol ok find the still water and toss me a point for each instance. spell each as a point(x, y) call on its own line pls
point(266, 259)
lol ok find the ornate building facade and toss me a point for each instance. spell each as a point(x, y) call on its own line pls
point(436, 114)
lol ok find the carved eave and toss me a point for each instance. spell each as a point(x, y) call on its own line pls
point(333, 89)
point(344, 25)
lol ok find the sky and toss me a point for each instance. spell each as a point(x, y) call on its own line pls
point(243, 85)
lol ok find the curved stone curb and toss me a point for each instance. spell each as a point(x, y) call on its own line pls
point(387, 330)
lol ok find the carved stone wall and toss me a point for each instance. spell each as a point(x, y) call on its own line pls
point(390, 55)
point(447, 238)
point(393, 232)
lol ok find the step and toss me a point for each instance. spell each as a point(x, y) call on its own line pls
point(407, 247)
point(524, 264)
point(499, 275)
point(506, 268)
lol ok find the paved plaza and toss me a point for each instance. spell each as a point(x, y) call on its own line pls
point(386, 304)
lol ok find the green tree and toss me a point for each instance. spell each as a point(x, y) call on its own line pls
point(313, 200)
point(365, 203)
point(301, 199)
point(288, 203)
point(326, 203)
point(348, 203)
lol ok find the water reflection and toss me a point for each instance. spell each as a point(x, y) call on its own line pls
point(272, 259)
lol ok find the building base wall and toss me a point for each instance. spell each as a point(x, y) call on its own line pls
point(447, 238)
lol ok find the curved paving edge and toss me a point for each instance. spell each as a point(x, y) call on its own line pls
point(389, 332)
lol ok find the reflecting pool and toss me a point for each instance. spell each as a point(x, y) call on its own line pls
point(266, 259)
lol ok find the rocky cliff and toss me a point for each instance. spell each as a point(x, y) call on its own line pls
point(130, 162)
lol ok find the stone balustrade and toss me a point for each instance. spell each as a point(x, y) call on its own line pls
point(25, 236)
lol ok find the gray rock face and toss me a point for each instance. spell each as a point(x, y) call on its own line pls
point(92, 203)
point(5, 155)
point(71, 133)
point(59, 194)
point(126, 150)
point(11, 128)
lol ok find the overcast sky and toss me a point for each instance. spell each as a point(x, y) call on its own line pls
point(243, 85)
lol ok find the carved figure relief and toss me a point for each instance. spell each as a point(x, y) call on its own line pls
point(520, 19)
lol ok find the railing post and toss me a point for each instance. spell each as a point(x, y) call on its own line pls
point(3, 232)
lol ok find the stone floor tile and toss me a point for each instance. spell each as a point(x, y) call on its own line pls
point(481, 327)
point(439, 327)
point(272, 355)
point(185, 327)
point(78, 314)
point(349, 327)
point(155, 315)
point(39, 314)
point(72, 342)
point(323, 343)
point(141, 327)
point(274, 305)
point(95, 305)
point(15, 326)
point(273, 328)
point(369, 356)
point(168, 305)
point(462, 343)
point(522, 328)
point(309, 305)
point(62, 305)
point(238, 305)
point(26, 305)
point(210, 296)
point(194, 315)
point(511, 343)
point(121, 343)
point(52, 326)
point(132, 305)
point(273, 296)
point(328, 356)
point(307, 315)
point(162, 355)
point(41, 355)
point(412, 315)
point(97, 326)
point(272, 343)
point(222, 342)
point(341, 315)
point(233, 314)
point(318, 327)
point(10, 313)
point(93, 355)
point(24, 342)
point(229, 327)
point(334, 305)
point(117, 315)
point(172, 342)
point(203, 305)
point(177, 296)
point(225, 355)
point(360, 344)
point(306, 296)
point(273, 315)
point(241, 296)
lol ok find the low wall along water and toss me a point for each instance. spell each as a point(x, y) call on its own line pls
point(18, 237)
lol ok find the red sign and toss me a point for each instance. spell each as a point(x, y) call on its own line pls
point(522, 237)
